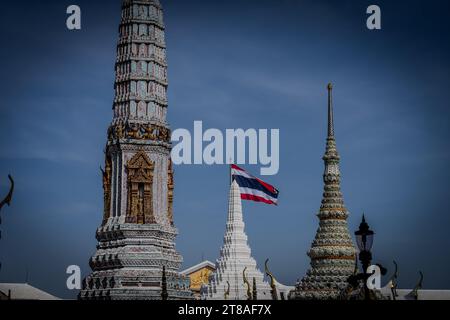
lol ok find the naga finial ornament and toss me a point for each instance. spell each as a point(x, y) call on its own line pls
point(394, 282)
point(227, 292)
point(8, 198)
point(415, 293)
point(249, 288)
point(272, 281)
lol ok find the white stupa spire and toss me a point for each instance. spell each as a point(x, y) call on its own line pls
point(235, 256)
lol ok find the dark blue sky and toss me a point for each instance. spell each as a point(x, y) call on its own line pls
point(234, 64)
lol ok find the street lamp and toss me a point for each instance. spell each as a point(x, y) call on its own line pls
point(364, 240)
point(364, 236)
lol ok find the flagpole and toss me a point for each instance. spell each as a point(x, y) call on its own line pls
point(231, 172)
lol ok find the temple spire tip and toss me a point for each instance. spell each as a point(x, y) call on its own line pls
point(330, 111)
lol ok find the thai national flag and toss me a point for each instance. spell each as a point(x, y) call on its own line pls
point(253, 188)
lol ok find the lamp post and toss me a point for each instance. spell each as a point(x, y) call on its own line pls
point(364, 240)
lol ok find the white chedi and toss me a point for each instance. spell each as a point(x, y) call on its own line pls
point(227, 282)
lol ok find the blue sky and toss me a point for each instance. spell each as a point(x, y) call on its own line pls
point(234, 64)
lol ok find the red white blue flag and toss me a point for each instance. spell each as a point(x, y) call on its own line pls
point(252, 188)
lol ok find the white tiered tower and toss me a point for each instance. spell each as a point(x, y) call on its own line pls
point(227, 282)
point(136, 240)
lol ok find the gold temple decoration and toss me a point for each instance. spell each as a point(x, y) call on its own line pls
point(140, 193)
point(8, 197)
point(249, 288)
point(170, 188)
point(415, 293)
point(273, 285)
point(107, 178)
point(227, 292)
point(7, 201)
point(394, 284)
point(200, 278)
point(139, 131)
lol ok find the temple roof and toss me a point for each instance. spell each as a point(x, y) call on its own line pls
point(197, 267)
point(24, 291)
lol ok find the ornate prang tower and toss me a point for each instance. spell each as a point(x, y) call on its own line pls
point(137, 237)
point(332, 253)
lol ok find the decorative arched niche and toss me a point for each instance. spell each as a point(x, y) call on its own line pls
point(140, 190)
